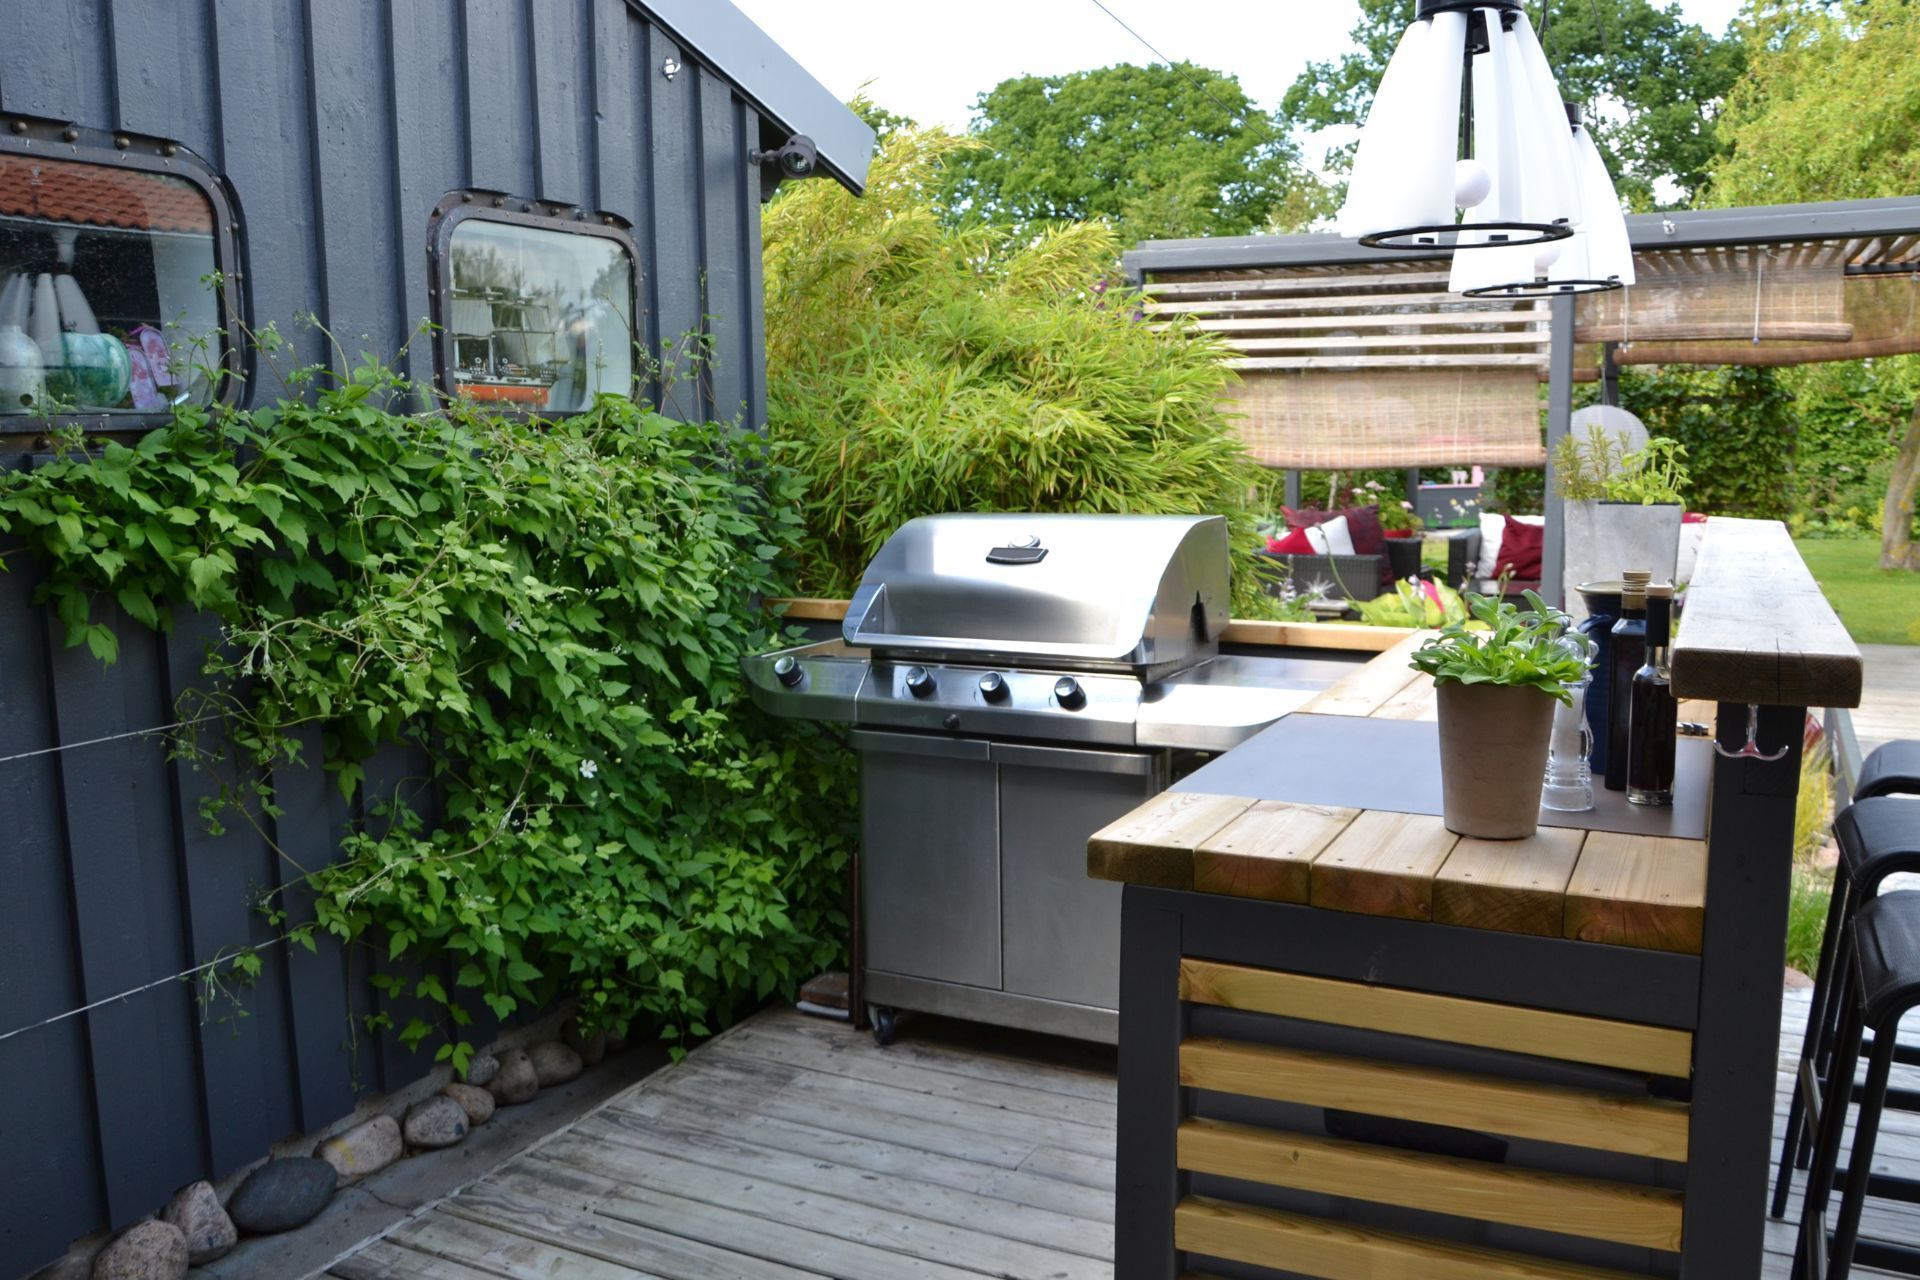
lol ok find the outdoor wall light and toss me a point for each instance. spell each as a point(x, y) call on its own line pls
point(1472, 63)
point(1595, 258)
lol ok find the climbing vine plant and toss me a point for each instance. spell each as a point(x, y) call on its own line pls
point(551, 615)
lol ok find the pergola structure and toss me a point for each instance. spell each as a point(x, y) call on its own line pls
point(1355, 357)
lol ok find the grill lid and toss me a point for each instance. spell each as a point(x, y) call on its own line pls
point(1139, 592)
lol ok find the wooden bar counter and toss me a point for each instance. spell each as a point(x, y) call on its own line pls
point(1355, 1046)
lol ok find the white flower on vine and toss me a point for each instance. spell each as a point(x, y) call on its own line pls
point(588, 768)
point(513, 623)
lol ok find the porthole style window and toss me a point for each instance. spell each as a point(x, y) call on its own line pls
point(114, 265)
point(535, 309)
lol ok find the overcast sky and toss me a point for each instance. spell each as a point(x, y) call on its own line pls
point(929, 59)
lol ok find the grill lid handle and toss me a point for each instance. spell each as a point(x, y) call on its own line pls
point(1017, 555)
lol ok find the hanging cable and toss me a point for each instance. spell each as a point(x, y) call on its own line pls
point(1177, 66)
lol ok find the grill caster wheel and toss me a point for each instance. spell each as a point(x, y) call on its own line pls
point(886, 1024)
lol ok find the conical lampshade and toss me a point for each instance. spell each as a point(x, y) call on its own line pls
point(1403, 189)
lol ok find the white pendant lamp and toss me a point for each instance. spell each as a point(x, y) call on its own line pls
point(1595, 258)
point(1409, 178)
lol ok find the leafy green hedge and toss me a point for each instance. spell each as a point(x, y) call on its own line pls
point(553, 612)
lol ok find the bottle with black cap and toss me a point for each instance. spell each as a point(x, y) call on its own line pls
point(1629, 650)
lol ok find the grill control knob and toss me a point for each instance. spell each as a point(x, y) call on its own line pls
point(919, 682)
point(786, 669)
point(1068, 693)
point(993, 687)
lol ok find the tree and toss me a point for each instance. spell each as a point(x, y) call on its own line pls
point(1162, 151)
point(1650, 80)
point(1830, 110)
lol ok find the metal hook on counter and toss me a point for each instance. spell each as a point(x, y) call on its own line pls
point(1751, 751)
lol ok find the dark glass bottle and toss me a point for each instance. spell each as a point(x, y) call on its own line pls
point(1603, 610)
point(1629, 651)
point(1652, 710)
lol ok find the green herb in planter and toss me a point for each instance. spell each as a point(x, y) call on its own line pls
point(1598, 467)
point(1518, 647)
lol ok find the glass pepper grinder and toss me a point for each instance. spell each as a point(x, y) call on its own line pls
point(1568, 787)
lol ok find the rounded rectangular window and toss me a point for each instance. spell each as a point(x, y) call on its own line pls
point(536, 318)
point(109, 294)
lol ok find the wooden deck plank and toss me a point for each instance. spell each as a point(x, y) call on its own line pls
point(798, 1084)
point(1515, 886)
point(1154, 844)
point(1638, 891)
point(699, 1122)
point(1373, 685)
point(557, 1207)
point(477, 1248)
point(1383, 864)
point(855, 1064)
point(1267, 850)
point(902, 1190)
point(815, 1204)
point(382, 1260)
point(970, 1061)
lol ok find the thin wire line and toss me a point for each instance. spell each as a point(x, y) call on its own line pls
point(1193, 79)
point(112, 737)
point(148, 986)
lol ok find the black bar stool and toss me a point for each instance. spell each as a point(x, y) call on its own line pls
point(1878, 836)
point(1891, 769)
point(1881, 952)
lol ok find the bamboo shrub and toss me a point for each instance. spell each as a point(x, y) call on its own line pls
point(914, 368)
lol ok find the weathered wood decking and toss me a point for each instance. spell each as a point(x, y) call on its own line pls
point(792, 1148)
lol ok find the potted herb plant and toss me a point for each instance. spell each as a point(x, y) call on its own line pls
point(1623, 505)
point(1496, 686)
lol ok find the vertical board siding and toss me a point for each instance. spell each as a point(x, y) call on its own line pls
point(337, 125)
point(50, 1176)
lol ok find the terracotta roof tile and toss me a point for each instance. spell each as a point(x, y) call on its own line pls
point(98, 195)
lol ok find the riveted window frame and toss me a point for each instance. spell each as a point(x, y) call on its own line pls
point(53, 140)
point(459, 207)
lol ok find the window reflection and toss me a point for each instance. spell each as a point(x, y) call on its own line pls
point(105, 302)
point(539, 319)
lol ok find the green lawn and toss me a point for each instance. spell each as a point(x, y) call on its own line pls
point(1879, 606)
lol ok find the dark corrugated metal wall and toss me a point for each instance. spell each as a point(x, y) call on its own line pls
point(339, 123)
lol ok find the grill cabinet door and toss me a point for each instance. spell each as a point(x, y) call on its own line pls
point(930, 857)
point(1062, 930)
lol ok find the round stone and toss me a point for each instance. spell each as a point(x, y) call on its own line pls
point(364, 1149)
point(515, 1082)
point(437, 1122)
point(483, 1069)
point(195, 1210)
point(281, 1195)
point(152, 1250)
point(554, 1063)
point(591, 1048)
point(475, 1101)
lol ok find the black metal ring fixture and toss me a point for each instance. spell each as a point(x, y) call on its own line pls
point(1543, 289)
point(1427, 238)
point(1427, 8)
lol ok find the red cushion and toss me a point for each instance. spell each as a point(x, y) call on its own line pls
point(1520, 545)
point(1306, 517)
point(1296, 543)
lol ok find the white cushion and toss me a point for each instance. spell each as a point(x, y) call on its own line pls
point(1331, 537)
point(1493, 527)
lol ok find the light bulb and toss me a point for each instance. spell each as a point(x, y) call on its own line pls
point(1545, 255)
point(1471, 183)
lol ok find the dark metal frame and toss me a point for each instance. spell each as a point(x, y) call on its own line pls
point(28, 136)
point(458, 207)
point(1728, 996)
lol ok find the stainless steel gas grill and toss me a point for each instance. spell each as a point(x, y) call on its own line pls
point(1016, 682)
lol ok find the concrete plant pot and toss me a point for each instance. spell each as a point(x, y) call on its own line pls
point(1604, 539)
point(1493, 757)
